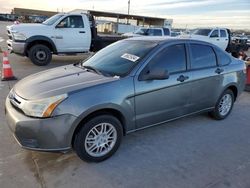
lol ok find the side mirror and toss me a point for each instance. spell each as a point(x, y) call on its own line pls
point(155, 74)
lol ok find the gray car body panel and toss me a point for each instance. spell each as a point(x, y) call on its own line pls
point(141, 103)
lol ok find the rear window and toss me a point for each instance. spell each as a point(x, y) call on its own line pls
point(223, 58)
point(154, 32)
point(202, 56)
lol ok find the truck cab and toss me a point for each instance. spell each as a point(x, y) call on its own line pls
point(67, 33)
point(217, 36)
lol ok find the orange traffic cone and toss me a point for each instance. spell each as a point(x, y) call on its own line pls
point(7, 73)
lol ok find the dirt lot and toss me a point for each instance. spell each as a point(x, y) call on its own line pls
point(193, 152)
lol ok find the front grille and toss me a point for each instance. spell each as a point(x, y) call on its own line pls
point(16, 101)
point(17, 109)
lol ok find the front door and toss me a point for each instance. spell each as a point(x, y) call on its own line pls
point(215, 38)
point(157, 101)
point(71, 35)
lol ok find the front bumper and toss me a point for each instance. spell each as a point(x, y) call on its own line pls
point(50, 134)
point(16, 47)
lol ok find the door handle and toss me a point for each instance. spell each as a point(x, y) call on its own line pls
point(219, 70)
point(218, 39)
point(182, 78)
point(81, 31)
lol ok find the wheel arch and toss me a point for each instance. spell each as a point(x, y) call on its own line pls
point(233, 88)
point(104, 111)
point(40, 40)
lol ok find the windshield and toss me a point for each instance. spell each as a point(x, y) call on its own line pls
point(52, 19)
point(141, 31)
point(203, 32)
point(119, 58)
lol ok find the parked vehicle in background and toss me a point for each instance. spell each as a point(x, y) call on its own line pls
point(130, 85)
point(221, 37)
point(175, 33)
point(67, 33)
point(152, 31)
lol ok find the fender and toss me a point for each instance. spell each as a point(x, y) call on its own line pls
point(128, 122)
point(41, 38)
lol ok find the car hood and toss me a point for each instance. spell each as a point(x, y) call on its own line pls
point(58, 81)
point(25, 27)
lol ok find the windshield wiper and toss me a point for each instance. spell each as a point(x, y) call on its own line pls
point(92, 69)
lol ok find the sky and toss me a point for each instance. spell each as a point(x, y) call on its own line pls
point(233, 14)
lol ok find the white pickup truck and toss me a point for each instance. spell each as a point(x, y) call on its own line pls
point(151, 31)
point(218, 36)
point(67, 33)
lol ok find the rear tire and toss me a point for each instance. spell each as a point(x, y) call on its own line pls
point(98, 139)
point(224, 105)
point(40, 55)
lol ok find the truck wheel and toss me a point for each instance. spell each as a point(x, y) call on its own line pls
point(224, 105)
point(98, 139)
point(40, 55)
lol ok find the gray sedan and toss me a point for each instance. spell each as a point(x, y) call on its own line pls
point(127, 86)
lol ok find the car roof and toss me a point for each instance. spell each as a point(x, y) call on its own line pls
point(166, 39)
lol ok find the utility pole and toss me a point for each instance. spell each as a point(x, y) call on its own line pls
point(128, 6)
point(128, 10)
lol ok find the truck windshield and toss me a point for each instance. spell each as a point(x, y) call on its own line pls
point(119, 59)
point(52, 19)
point(203, 32)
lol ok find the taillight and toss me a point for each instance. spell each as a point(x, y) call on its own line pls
point(245, 68)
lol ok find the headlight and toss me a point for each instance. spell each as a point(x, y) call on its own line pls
point(19, 36)
point(42, 107)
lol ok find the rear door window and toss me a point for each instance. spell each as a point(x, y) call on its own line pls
point(172, 59)
point(223, 33)
point(202, 56)
point(166, 31)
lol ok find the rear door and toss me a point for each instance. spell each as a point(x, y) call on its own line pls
point(166, 31)
point(72, 34)
point(160, 100)
point(206, 76)
point(224, 39)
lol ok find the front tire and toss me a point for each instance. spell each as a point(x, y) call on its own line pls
point(40, 55)
point(98, 139)
point(224, 105)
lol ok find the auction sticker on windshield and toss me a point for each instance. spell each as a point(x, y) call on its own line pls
point(130, 57)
